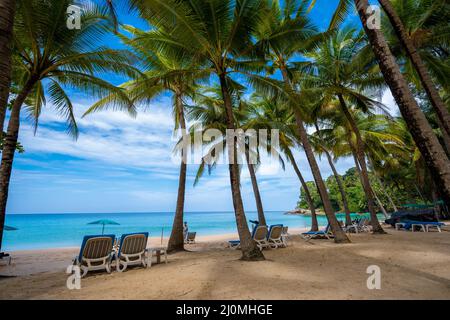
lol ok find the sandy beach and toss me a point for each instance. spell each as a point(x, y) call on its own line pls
point(413, 266)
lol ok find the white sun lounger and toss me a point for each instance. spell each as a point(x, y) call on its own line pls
point(95, 253)
point(275, 236)
point(260, 237)
point(132, 251)
point(259, 234)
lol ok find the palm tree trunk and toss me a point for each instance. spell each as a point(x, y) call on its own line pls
point(383, 186)
point(348, 219)
point(380, 204)
point(9, 148)
point(445, 136)
point(309, 200)
point(339, 234)
point(7, 10)
point(259, 205)
point(249, 249)
point(176, 240)
point(421, 131)
point(427, 83)
point(358, 169)
point(376, 227)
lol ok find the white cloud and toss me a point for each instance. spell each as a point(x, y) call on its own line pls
point(123, 163)
point(389, 102)
point(108, 136)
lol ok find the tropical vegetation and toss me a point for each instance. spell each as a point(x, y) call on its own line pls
point(253, 64)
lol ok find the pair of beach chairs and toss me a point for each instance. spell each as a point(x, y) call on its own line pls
point(273, 237)
point(102, 252)
point(425, 226)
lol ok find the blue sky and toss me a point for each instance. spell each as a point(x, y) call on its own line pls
point(122, 164)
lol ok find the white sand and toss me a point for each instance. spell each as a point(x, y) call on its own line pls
point(413, 266)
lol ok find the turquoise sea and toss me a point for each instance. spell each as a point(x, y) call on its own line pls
point(41, 231)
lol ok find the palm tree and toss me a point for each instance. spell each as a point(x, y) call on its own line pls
point(321, 146)
point(8, 8)
point(285, 31)
point(219, 34)
point(419, 65)
point(163, 73)
point(209, 113)
point(427, 142)
point(420, 29)
point(248, 121)
point(50, 58)
point(383, 139)
point(433, 153)
point(337, 71)
point(7, 12)
point(275, 114)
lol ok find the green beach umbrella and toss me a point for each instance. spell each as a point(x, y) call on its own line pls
point(8, 228)
point(104, 222)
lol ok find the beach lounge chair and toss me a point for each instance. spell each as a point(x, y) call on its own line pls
point(424, 226)
point(190, 238)
point(318, 234)
point(95, 253)
point(275, 236)
point(259, 234)
point(132, 251)
point(5, 257)
point(436, 225)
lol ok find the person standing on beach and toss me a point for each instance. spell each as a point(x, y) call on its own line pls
point(185, 230)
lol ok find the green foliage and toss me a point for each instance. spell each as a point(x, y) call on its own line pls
point(19, 146)
point(355, 194)
point(53, 60)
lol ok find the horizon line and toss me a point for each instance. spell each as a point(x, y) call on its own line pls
point(206, 211)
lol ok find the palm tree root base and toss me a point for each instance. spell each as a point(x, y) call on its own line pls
point(253, 255)
point(174, 249)
point(345, 240)
point(379, 231)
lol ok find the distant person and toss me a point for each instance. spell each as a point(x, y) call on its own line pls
point(185, 230)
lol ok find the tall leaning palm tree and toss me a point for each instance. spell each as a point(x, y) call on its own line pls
point(427, 83)
point(276, 114)
point(285, 31)
point(209, 113)
point(337, 71)
point(252, 154)
point(382, 137)
point(49, 59)
point(219, 34)
point(426, 141)
point(424, 137)
point(7, 11)
point(323, 146)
